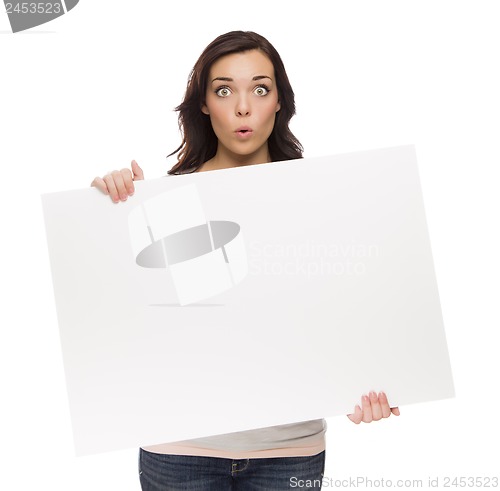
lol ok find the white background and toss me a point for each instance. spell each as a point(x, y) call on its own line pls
point(95, 88)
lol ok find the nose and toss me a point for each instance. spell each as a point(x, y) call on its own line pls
point(243, 106)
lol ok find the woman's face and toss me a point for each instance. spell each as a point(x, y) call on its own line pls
point(242, 101)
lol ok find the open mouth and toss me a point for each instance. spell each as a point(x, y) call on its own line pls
point(245, 131)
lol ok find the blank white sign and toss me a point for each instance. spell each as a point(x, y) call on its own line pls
point(325, 290)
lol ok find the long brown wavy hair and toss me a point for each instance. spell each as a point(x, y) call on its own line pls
point(199, 142)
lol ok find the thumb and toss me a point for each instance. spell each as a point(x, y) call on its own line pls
point(137, 171)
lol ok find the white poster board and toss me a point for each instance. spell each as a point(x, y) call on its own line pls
point(241, 298)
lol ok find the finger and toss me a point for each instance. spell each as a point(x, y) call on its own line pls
point(367, 409)
point(128, 181)
point(100, 184)
point(375, 405)
point(110, 184)
point(357, 416)
point(137, 171)
point(384, 404)
point(120, 185)
point(395, 411)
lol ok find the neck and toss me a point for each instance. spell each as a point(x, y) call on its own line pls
point(225, 159)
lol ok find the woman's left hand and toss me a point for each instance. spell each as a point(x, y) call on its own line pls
point(373, 407)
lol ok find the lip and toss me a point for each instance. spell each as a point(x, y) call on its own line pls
point(244, 132)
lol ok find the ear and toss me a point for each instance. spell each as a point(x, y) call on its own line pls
point(204, 109)
point(278, 106)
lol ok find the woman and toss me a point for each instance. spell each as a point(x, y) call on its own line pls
point(236, 112)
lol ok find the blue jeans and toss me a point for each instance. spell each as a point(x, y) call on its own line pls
point(159, 472)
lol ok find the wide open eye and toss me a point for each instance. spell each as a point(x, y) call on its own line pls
point(223, 91)
point(261, 90)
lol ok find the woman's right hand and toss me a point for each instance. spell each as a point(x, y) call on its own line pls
point(119, 184)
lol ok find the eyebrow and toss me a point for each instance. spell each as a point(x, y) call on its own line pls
point(229, 79)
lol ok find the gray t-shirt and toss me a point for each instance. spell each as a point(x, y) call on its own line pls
point(282, 436)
